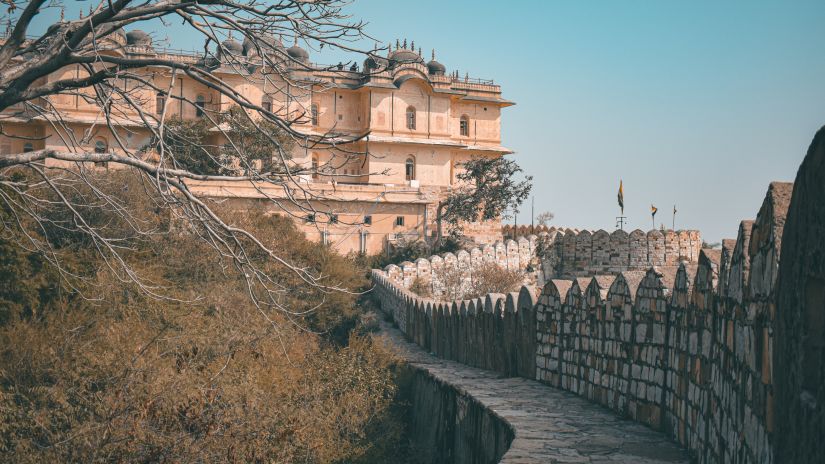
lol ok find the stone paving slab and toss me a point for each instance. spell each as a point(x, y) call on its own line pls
point(550, 425)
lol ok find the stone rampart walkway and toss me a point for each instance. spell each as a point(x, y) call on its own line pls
point(550, 425)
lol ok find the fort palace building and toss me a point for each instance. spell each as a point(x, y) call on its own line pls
point(422, 123)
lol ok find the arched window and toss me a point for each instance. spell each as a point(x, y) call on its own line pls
point(200, 102)
point(266, 103)
point(411, 118)
point(27, 147)
point(409, 168)
point(101, 146)
point(464, 126)
point(160, 102)
point(315, 166)
point(313, 112)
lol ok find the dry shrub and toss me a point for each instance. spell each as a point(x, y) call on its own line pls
point(421, 287)
point(484, 279)
point(452, 283)
point(201, 376)
point(492, 278)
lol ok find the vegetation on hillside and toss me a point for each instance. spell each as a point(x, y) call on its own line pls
point(94, 368)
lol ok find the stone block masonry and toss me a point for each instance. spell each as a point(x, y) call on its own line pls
point(515, 255)
point(462, 414)
point(725, 355)
point(570, 253)
point(667, 348)
point(555, 253)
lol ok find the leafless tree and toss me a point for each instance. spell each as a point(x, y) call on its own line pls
point(544, 218)
point(118, 85)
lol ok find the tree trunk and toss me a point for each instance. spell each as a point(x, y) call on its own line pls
point(439, 216)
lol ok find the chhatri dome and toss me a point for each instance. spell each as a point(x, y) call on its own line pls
point(138, 37)
point(231, 46)
point(297, 53)
point(435, 68)
point(267, 44)
point(402, 54)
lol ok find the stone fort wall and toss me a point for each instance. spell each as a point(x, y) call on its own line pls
point(516, 255)
point(557, 253)
point(570, 253)
point(687, 350)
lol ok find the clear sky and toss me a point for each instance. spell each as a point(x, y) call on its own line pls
point(695, 103)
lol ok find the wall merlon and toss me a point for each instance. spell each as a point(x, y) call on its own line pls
point(683, 342)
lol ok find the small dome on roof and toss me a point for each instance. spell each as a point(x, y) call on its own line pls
point(435, 68)
point(297, 53)
point(138, 37)
point(405, 56)
point(375, 63)
point(231, 46)
point(269, 43)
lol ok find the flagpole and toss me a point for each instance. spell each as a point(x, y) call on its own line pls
point(674, 217)
point(620, 220)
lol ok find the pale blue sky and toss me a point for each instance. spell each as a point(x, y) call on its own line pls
point(697, 103)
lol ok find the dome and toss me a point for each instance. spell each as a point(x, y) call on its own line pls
point(297, 53)
point(436, 68)
point(263, 42)
point(138, 37)
point(405, 56)
point(375, 62)
point(231, 46)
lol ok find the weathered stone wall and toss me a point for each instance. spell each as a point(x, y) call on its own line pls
point(517, 255)
point(496, 332)
point(679, 351)
point(570, 253)
point(565, 253)
point(448, 425)
point(799, 351)
point(701, 352)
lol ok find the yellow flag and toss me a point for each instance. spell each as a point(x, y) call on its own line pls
point(621, 196)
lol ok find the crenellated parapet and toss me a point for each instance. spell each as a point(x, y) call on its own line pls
point(569, 253)
point(495, 332)
point(685, 349)
point(515, 255)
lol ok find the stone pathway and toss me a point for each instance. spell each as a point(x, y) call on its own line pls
point(551, 426)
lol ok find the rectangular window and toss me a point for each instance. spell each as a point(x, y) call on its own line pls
point(314, 114)
point(399, 221)
point(310, 218)
point(267, 106)
point(333, 219)
point(465, 128)
point(368, 220)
